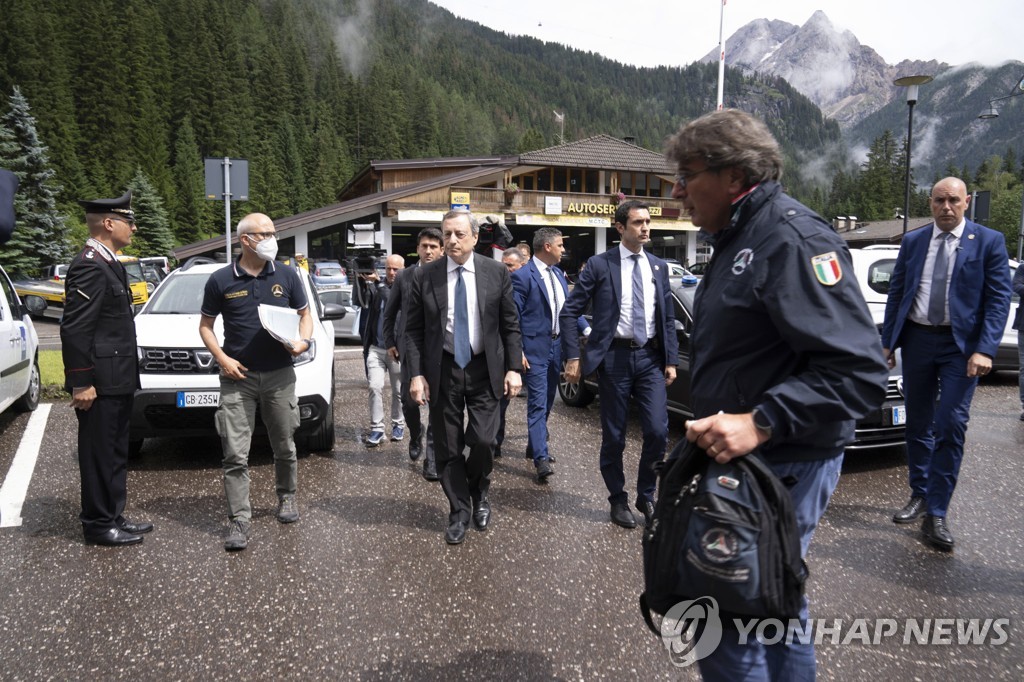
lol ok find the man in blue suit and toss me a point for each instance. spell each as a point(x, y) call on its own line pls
point(948, 301)
point(540, 291)
point(633, 342)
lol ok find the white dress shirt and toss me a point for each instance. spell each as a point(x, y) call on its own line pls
point(555, 298)
point(625, 328)
point(919, 310)
point(469, 280)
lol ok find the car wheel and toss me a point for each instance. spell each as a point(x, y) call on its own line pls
point(574, 395)
point(30, 400)
point(321, 439)
point(135, 447)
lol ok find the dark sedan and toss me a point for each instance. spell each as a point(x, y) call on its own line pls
point(882, 428)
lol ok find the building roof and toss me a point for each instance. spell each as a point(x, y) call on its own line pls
point(599, 151)
point(328, 215)
point(881, 231)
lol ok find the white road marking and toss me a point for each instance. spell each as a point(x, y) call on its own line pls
point(15, 487)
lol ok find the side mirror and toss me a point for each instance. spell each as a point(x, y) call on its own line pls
point(333, 311)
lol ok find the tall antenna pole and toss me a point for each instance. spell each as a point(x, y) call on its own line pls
point(721, 56)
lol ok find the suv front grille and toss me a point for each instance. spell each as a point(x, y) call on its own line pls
point(177, 361)
point(894, 391)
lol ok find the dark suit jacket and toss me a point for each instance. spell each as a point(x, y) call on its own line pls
point(8, 186)
point(372, 314)
point(394, 316)
point(979, 288)
point(535, 314)
point(1018, 288)
point(601, 282)
point(427, 316)
point(97, 332)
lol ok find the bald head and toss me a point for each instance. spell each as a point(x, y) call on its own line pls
point(949, 202)
point(255, 222)
point(392, 266)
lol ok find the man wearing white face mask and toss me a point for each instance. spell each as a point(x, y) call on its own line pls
point(255, 369)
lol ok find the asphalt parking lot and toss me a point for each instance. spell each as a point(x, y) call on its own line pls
point(364, 587)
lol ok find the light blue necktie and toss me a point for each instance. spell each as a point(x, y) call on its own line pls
point(460, 328)
point(639, 318)
point(940, 275)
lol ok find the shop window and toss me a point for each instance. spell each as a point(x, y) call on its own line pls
point(640, 188)
point(526, 182)
point(590, 182)
point(544, 180)
point(559, 180)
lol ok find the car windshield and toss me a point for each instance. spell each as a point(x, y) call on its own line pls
point(181, 294)
point(328, 272)
point(134, 270)
point(339, 296)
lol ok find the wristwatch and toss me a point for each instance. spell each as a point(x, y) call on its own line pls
point(761, 422)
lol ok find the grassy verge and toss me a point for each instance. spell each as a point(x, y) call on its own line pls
point(51, 374)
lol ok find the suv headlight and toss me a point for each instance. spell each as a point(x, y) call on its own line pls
point(307, 355)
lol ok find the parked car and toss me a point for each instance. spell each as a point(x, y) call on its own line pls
point(697, 269)
point(873, 267)
point(328, 274)
point(57, 272)
point(885, 427)
point(347, 329)
point(19, 357)
point(180, 383)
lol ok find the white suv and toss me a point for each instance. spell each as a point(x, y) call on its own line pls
point(19, 357)
point(180, 379)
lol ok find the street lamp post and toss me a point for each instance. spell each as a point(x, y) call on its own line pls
point(993, 112)
point(910, 83)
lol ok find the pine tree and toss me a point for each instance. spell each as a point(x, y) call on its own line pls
point(192, 217)
point(153, 236)
point(40, 235)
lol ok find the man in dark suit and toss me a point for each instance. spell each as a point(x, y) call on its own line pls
point(949, 297)
point(465, 352)
point(513, 259)
point(1018, 324)
point(633, 342)
point(540, 290)
point(97, 334)
point(428, 248)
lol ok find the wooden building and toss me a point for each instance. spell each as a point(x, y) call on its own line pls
point(574, 187)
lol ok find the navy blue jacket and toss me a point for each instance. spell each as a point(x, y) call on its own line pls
point(781, 325)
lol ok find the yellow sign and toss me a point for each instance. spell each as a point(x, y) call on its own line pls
point(460, 197)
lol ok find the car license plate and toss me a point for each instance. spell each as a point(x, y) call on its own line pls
point(899, 415)
point(198, 398)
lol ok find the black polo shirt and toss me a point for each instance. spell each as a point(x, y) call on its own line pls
point(237, 295)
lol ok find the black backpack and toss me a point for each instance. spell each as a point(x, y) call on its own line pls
point(726, 531)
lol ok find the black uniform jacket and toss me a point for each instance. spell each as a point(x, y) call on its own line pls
point(97, 332)
point(781, 325)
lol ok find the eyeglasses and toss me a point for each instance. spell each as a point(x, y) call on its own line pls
point(683, 178)
point(261, 235)
point(130, 221)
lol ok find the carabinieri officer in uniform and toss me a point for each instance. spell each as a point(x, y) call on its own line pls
point(97, 335)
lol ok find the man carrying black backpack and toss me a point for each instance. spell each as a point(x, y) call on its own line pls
point(785, 357)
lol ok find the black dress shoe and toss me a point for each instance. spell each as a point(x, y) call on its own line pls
point(430, 470)
point(621, 516)
point(415, 450)
point(456, 533)
point(914, 510)
point(115, 537)
point(481, 515)
point(647, 509)
point(544, 470)
point(135, 528)
point(937, 533)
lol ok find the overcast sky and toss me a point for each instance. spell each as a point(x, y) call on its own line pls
point(679, 32)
